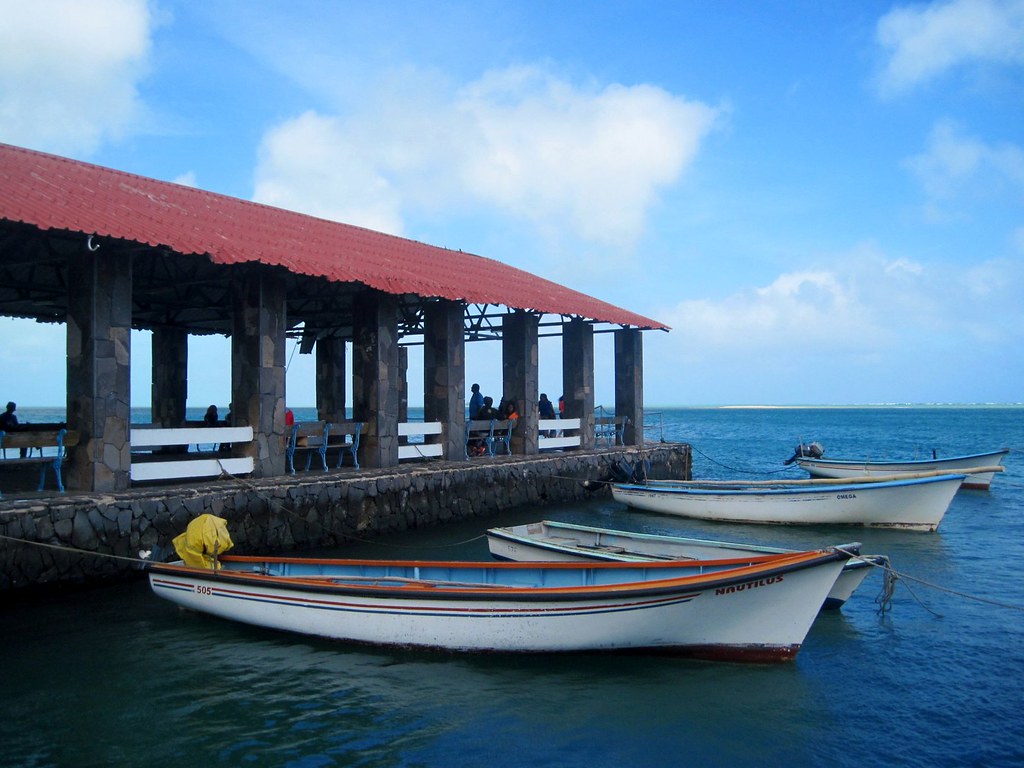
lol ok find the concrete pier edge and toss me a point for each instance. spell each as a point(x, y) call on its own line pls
point(85, 539)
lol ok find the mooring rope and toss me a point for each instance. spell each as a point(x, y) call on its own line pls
point(77, 550)
point(737, 469)
point(892, 575)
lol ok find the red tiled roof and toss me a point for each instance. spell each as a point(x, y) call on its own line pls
point(53, 192)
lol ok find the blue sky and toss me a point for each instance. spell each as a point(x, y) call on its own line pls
point(824, 200)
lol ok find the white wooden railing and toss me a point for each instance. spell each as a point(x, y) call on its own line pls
point(420, 450)
point(560, 439)
point(184, 465)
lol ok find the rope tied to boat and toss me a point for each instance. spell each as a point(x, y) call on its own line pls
point(695, 449)
point(884, 599)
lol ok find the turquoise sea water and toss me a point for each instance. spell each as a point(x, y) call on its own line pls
point(115, 676)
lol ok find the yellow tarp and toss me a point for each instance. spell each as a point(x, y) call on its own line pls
point(205, 538)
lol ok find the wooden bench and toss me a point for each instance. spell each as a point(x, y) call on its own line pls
point(30, 439)
point(344, 435)
point(150, 439)
point(502, 433)
point(309, 437)
point(480, 433)
point(490, 434)
point(420, 450)
point(610, 429)
point(560, 439)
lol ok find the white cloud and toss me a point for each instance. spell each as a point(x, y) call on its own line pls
point(320, 166)
point(518, 142)
point(955, 164)
point(859, 327)
point(924, 41)
point(69, 71)
point(862, 302)
point(812, 306)
point(592, 159)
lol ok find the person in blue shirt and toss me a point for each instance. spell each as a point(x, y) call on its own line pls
point(475, 401)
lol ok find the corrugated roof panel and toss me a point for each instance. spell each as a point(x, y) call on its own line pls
point(53, 192)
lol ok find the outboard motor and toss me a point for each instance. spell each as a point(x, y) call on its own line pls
point(809, 451)
point(622, 471)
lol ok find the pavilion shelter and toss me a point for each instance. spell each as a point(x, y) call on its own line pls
point(105, 252)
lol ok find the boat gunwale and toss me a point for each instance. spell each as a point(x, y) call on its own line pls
point(508, 534)
point(696, 489)
point(879, 463)
point(431, 590)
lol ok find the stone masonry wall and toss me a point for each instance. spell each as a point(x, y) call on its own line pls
point(91, 538)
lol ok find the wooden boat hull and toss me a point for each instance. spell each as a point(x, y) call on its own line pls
point(754, 609)
point(847, 468)
point(917, 504)
point(548, 541)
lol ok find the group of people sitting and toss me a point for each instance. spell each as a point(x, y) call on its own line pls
point(481, 408)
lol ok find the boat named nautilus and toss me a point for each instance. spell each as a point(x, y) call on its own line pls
point(746, 608)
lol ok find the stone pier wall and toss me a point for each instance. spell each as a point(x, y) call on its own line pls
point(78, 539)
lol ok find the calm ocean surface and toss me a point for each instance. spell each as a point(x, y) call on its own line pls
point(116, 676)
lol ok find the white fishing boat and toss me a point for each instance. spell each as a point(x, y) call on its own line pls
point(548, 541)
point(980, 468)
point(747, 608)
point(916, 504)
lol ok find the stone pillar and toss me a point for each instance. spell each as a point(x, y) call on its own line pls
point(170, 376)
point(629, 383)
point(519, 369)
point(99, 369)
point(258, 367)
point(444, 373)
point(578, 376)
point(403, 385)
point(330, 379)
point(375, 376)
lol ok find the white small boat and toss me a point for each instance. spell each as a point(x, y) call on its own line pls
point(980, 468)
point(548, 541)
point(916, 504)
point(746, 608)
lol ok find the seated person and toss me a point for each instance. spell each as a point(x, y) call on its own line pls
point(9, 423)
point(487, 411)
point(211, 418)
point(511, 414)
